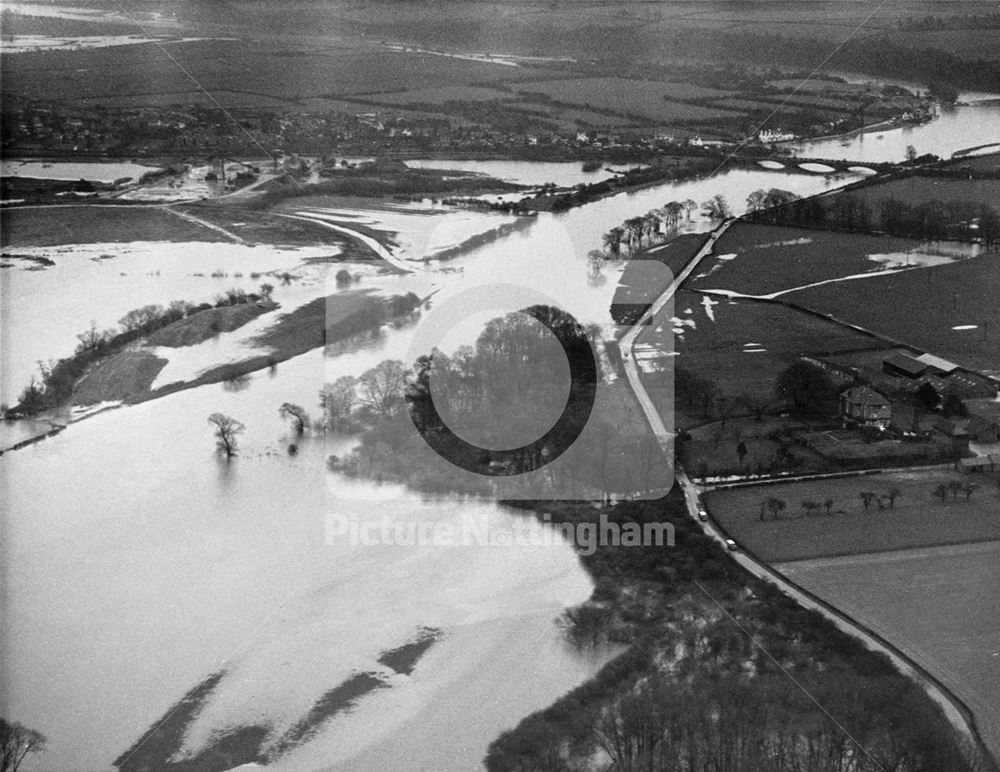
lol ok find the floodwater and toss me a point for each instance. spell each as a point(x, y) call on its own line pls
point(954, 129)
point(46, 308)
point(23, 43)
point(95, 171)
point(139, 564)
point(562, 173)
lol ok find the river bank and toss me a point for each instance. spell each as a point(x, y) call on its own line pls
point(128, 376)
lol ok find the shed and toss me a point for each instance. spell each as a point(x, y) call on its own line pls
point(904, 365)
point(942, 366)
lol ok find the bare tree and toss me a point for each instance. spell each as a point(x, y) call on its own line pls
point(811, 506)
point(226, 430)
point(382, 387)
point(775, 506)
point(91, 338)
point(867, 499)
point(297, 414)
point(16, 742)
point(892, 494)
point(338, 399)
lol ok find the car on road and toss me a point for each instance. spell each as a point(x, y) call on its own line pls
point(731, 545)
point(702, 514)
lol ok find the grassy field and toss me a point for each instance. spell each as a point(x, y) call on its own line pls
point(437, 95)
point(919, 519)
point(582, 89)
point(982, 163)
point(939, 605)
point(642, 66)
point(970, 44)
point(291, 54)
point(46, 226)
point(648, 99)
point(764, 259)
point(962, 294)
point(721, 351)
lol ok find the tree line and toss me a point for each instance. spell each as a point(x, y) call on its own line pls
point(703, 684)
point(56, 380)
point(965, 220)
point(645, 230)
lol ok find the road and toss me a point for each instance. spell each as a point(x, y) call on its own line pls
point(206, 224)
point(956, 710)
point(664, 436)
point(368, 241)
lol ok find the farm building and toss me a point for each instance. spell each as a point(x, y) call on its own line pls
point(904, 366)
point(980, 464)
point(864, 406)
point(981, 429)
point(966, 384)
point(946, 377)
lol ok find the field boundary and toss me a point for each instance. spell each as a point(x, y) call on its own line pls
point(868, 636)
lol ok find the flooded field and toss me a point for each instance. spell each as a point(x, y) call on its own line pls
point(141, 565)
point(95, 171)
point(178, 565)
point(45, 308)
point(562, 173)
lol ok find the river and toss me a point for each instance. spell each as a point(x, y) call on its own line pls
point(138, 564)
point(954, 129)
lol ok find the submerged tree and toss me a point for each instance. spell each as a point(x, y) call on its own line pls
point(226, 430)
point(338, 400)
point(297, 414)
point(717, 208)
point(383, 387)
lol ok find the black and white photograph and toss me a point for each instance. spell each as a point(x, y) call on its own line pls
point(480, 386)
